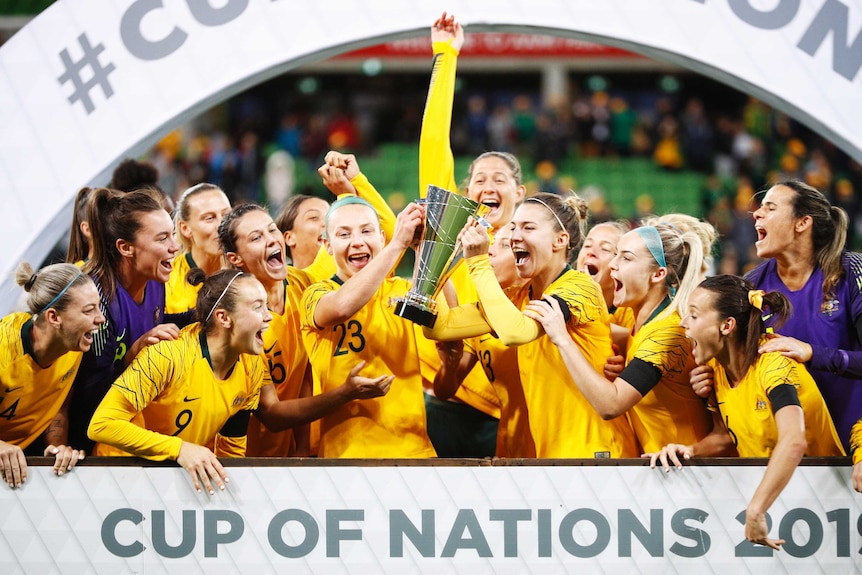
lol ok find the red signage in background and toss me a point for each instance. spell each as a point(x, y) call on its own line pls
point(484, 45)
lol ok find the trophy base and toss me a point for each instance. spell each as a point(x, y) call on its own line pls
point(415, 313)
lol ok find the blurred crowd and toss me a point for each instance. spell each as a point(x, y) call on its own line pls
point(738, 148)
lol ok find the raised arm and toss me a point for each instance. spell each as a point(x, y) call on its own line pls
point(436, 163)
point(338, 306)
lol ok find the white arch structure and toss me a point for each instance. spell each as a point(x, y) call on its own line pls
point(85, 84)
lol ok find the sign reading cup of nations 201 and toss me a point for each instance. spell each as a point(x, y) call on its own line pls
point(86, 84)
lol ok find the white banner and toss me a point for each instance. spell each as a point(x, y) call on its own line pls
point(426, 519)
point(86, 84)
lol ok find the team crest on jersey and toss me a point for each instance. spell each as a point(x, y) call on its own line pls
point(67, 375)
point(156, 313)
point(239, 400)
point(760, 405)
point(829, 307)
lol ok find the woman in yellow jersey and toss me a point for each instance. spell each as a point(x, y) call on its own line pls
point(704, 231)
point(184, 399)
point(546, 230)
point(40, 353)
point(301, 223)
point(768, 404)
point(350, 318)
point(654, 271)
point(499, 363)
point(594, 259)
point(493, 179)
point(79, 250)
point(197, 216)
point(254, 244)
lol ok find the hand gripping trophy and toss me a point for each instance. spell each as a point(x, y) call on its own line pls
point(446, 213)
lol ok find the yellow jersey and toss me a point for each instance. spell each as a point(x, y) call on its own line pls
point(169, 394)
point(30, 396)
point(391, 426)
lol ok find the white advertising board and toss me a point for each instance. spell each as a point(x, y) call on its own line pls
point(426, 519)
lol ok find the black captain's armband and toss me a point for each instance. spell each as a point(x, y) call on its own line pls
point(641, 375)
point(237, 425)
point(564, 307)
point(782, 396)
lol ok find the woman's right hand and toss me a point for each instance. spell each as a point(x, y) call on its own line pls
point(670, 455)
point(361, 387)
point(203, 466)
point(13, 465)
point(702, 380)
point(445, 28)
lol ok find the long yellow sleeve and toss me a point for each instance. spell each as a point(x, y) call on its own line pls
point(436, 163)
point(112, 425)
point(509, 323)
point(456, 323)
point(366, 191)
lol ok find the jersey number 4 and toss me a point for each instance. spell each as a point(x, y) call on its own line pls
point(9, 412)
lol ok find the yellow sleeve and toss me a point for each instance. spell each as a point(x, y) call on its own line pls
point(310, 299)
point(456, 323)
point(856, 442)
point(366, 191)
point(436, 163)
point(323, 266)
point(112, 425)
point(510, 324)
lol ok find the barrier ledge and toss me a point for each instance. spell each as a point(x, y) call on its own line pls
point(91, 461)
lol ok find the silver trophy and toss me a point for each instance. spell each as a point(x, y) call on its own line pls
point(446, 214)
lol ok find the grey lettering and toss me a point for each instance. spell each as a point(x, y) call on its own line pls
point(510, 518)
point(833, 17)
point(466, 521)
point(187, 538)
point(400, 526)
point(700, 537)
point(109, 534)
point(652, 539)
point(335, 534)
point(778, 17)
point(815, 532)
point(212, 537)
point(312, 533)
point(567, 537)
point(209, 16)
point(544, 532)
point(133, 39)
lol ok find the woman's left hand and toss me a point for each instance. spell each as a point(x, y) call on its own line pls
point(547, 312)
point(757, 531)
point(65, 457)
point(787, 346)
point(474, 239)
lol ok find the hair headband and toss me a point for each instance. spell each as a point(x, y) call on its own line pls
point(556, 217)
point(215, 305)
point(346, 201)
point(652, 239)
point(62, 291)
